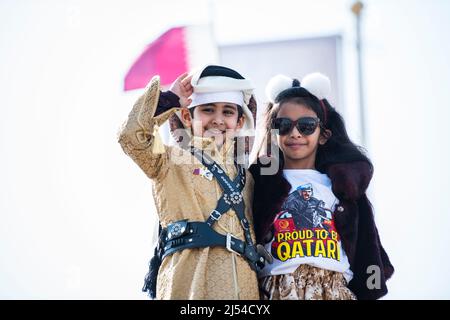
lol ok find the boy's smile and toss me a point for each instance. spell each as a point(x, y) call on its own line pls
point(216, 120)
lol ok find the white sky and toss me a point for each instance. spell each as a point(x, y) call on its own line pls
point(76, 213)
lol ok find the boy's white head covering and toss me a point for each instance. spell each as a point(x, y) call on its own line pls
point(220, 84)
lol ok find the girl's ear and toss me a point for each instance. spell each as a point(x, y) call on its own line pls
point(186, 117)
point(324, 136)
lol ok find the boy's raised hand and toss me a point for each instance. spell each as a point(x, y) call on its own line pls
point(183, 89)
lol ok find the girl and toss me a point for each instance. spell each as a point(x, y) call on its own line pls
point(310, 207)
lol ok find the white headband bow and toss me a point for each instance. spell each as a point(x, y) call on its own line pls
point(316, 83)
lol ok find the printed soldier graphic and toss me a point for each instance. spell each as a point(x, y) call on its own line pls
point(307, 212)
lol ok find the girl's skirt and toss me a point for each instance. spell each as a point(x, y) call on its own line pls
point(306, 283)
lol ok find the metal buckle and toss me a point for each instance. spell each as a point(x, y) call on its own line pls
point(228, 244)
point(214, 216)
point(176, 229)
point(244, 224)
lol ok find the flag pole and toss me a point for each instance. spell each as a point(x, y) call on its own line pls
point(357, 9)
point(212, 26)
point(211, 11)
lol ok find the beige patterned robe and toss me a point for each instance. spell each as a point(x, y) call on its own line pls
point(204, 273)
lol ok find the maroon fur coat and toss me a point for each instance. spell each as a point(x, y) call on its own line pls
point(355, 224)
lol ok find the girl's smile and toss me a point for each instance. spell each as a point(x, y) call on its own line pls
point(295, 145)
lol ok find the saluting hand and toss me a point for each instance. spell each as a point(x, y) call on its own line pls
point(183, 89)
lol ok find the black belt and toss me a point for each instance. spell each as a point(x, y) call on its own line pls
point(183, 235)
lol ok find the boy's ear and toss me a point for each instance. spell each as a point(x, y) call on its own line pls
point(241, 122)
point(324, 136)
point(186, 117)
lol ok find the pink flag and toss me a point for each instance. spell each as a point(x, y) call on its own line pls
point(173, 53)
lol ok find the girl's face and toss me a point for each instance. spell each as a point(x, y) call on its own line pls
point(217, 120)
point(299, 150)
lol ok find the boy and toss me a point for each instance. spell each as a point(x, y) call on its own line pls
point(202, 197)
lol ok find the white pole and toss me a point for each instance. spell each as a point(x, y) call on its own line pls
point(357, 8)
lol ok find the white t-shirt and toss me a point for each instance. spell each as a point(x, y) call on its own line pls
point(304, 231)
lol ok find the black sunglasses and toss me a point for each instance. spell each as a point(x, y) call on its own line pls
point(306, 125)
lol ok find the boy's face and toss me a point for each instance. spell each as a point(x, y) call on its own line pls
point(218, 120)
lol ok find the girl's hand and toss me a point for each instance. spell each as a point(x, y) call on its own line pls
point(183, 89)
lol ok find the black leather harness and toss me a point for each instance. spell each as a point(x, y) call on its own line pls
point(186, 234)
